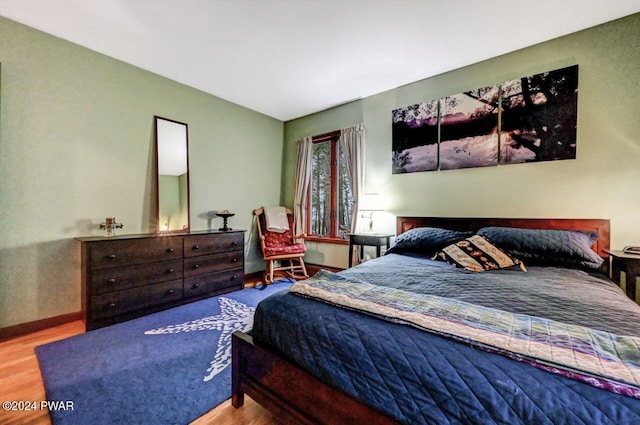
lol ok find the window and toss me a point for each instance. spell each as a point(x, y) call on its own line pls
point(330, 195)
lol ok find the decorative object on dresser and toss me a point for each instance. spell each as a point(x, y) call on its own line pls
point(128, 276)
point(109, 226)
point(225, 214)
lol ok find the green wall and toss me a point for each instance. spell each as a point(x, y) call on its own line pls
point(76, 146)
point(601, 183)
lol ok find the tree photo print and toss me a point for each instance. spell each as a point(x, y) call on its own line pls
point(469, 129)
point(539, 117)
point(415, 138)
point(529, 119)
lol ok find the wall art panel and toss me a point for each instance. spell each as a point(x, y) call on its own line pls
point(469, 129)
point(539, 117)
point(415, 138)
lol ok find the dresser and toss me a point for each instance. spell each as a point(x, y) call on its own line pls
point(129, 276)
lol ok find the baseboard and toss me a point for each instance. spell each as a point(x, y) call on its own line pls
point(38, 325)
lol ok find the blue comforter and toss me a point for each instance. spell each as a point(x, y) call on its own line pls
point(417, 377)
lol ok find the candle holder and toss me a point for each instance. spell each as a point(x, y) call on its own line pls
point(225, 215)
point(109, 226)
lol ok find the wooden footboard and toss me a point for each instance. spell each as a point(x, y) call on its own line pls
point(292, 394)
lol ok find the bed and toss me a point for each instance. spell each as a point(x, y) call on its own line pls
point(329, 360)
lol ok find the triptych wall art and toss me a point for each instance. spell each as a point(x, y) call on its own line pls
point(523, 120)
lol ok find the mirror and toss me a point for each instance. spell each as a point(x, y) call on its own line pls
point(172, 184)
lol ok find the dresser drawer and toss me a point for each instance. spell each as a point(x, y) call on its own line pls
point(113, 279)
point(213, 244)
point(124, 252)
point(213, 263)
point(115, 303)
point(212, 282)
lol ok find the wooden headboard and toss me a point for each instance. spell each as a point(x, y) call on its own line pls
point(601, 226)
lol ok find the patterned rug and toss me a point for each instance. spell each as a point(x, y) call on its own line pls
point(166, 368)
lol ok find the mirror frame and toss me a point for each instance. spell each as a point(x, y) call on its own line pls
point(156, 119)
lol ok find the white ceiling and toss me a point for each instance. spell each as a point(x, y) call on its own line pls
point(290, 58)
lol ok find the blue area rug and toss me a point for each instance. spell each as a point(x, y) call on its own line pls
point(166, 368)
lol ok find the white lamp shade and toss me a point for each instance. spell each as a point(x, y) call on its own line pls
point(371, 202)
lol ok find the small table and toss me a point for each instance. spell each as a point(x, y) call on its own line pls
point(630, 265)
point(368, 239)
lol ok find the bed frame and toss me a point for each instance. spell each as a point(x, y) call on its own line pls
point(295, 396)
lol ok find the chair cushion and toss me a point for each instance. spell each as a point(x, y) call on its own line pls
point(294, 248)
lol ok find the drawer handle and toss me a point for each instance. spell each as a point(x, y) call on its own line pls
point(112, 305)
point(196, 285)
point(112, 280)
point(234, 260)
point(111, 256)
point(234, 277)
point(170, 271)
point(170, 292)
point(195, 266)
point(196, 247)
point(170, 250)
point(234, 243)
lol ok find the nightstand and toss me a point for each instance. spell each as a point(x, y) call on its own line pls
point(630, 265)
point(367, 239)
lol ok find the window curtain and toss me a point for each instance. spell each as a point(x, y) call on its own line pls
point(352, 145)
point(304, 148)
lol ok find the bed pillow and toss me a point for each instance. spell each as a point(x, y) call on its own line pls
point(426, 240)
point(477, 254)
point(547, 247)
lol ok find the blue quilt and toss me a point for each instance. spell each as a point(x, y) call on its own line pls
point(420, 377)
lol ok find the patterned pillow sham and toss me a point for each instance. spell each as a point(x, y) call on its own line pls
point(477, 254)
point(545, 247)
point(426, 240)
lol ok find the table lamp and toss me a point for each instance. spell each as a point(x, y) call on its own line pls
point(370, 203)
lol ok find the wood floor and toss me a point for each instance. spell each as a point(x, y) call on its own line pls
point(20, 380)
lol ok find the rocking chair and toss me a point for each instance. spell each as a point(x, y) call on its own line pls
point(281, 246)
